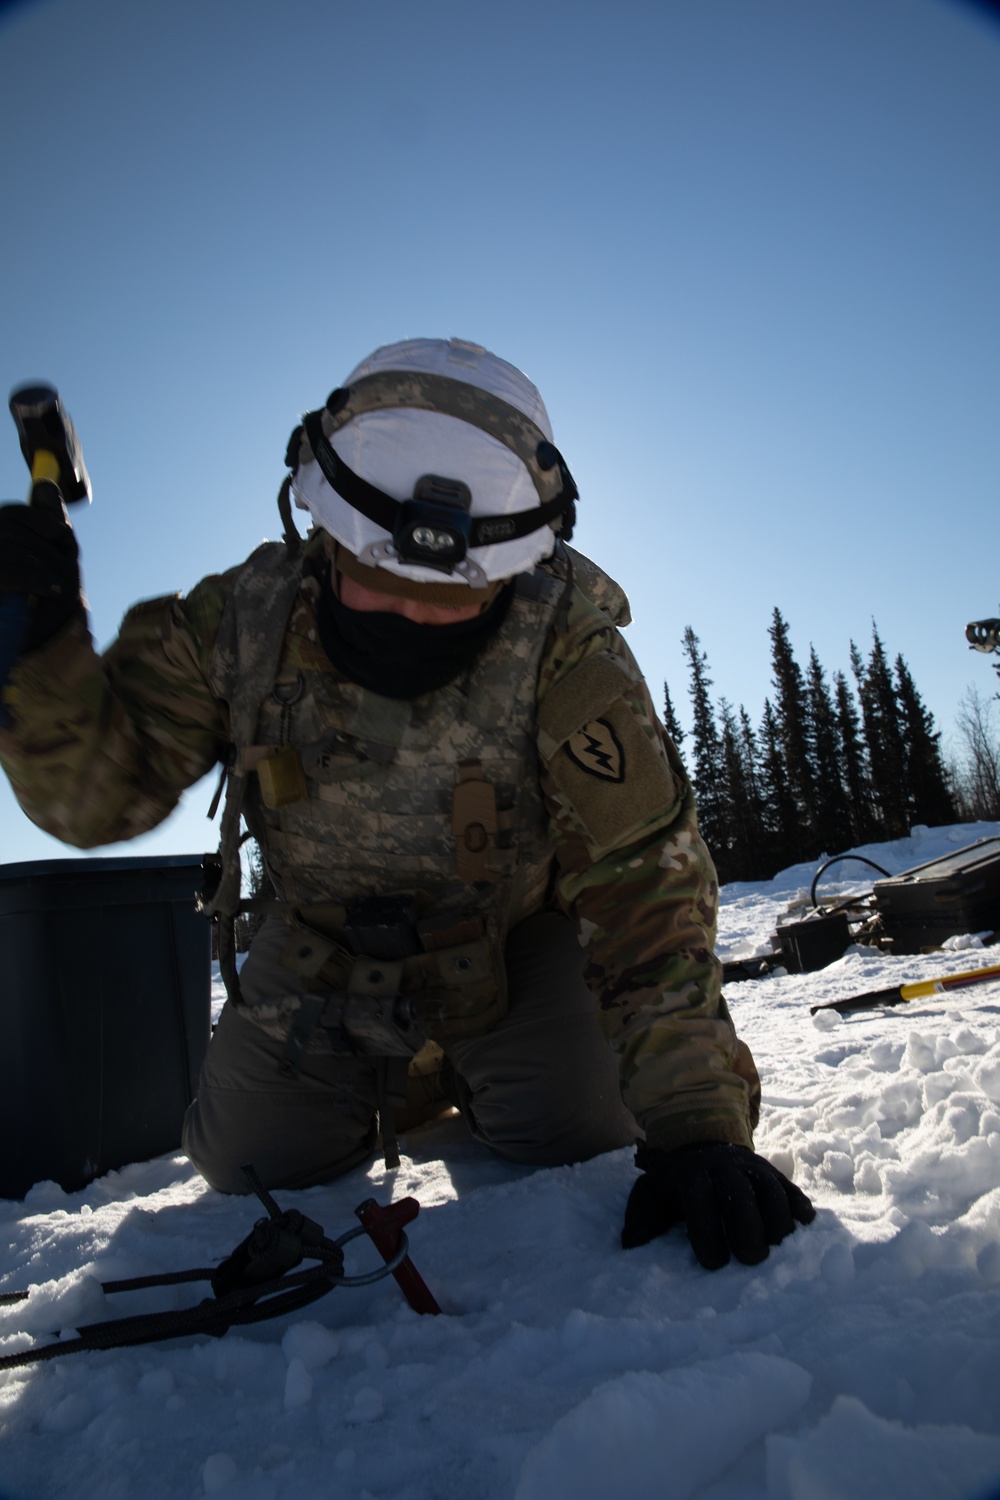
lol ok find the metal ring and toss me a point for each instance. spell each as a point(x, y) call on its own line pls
point(380, 1274)
point(295, 692)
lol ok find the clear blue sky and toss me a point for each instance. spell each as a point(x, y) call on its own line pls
point(747, 249)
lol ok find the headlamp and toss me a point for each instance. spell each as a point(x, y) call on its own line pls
point(433, 529)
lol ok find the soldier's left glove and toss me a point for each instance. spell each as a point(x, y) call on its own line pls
point(732, 1200)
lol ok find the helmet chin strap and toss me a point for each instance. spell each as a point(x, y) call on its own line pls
point(290, 534)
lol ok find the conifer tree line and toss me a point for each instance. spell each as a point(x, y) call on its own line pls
point(830, 765)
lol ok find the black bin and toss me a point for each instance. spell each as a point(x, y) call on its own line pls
point(814, 942)
point(105, 1013)
point(958, 893)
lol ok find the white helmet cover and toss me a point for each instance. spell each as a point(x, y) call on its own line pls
point(396, 445)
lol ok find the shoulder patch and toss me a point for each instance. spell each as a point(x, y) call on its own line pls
point(597, 750)
point(614, 778)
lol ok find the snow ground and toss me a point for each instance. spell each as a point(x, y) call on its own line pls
point(859, 1361)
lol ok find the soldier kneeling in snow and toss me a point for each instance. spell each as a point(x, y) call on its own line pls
point(432, 727)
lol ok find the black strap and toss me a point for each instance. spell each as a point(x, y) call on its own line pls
point(226, 943)
point(390, 1089)
point(381, 508)
point(257, 1281)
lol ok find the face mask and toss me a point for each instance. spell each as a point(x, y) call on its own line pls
point(396, 657)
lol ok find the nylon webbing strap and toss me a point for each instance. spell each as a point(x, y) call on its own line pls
point(423, 391)
point(381, 508)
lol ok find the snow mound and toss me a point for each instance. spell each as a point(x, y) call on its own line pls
point(655, 1434)
point(859, 1360)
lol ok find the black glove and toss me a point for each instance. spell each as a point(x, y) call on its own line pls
point(730, 1198)
point(39, 558)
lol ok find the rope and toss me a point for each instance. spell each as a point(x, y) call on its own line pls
point(257, 1281)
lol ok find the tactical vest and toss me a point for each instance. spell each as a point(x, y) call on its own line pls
point(403, 837)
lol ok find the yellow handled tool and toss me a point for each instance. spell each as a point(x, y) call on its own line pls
point(900, 993)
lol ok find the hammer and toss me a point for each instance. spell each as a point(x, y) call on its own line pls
point(52, 452)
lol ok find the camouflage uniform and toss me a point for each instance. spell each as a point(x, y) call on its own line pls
point(595, 819)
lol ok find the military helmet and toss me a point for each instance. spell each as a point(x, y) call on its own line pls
point(434, 461)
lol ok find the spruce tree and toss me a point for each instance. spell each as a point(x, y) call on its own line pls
point(792, 721)
point(750, 747)
point(671, 723)
point(831, 812)
point(864, 828)
point(886, 750)
point(779, 812)
point(707, 774)
point(930, 799)
point(746, 833)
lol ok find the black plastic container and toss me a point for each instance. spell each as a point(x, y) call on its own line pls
point(814, 942)
point(955, 894)
point(105, 1013)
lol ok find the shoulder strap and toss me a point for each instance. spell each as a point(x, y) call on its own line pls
point(251, 634)
point(245, 664)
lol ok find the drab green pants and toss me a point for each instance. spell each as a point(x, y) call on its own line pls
point(540, 1088)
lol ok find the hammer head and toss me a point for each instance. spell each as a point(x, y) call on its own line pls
point(43, 426)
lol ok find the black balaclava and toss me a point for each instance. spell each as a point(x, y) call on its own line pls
point(391, 655)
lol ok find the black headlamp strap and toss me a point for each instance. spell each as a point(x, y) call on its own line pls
point(489, 529)
point(484, 531)
point(370, 501)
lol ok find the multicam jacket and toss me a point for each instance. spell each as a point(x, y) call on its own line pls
point(597, 817)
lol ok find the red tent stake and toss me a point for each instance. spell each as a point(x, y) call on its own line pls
point(384, 1226)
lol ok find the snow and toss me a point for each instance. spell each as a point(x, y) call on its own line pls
point(859, 1361)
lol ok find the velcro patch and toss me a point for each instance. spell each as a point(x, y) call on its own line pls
point(581, 696)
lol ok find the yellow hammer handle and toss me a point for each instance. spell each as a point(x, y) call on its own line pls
point(44, 466)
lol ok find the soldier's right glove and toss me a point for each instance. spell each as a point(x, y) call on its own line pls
point(731, 1200)
point(40, 559)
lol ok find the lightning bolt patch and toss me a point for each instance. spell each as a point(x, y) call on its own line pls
point(597, 750)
